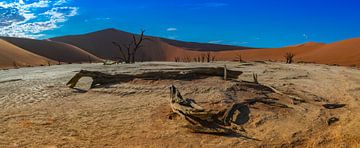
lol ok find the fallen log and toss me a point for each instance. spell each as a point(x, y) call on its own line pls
point(100, 78)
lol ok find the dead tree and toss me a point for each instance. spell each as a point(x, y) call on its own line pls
point(187, 59)
point(212, 121)
point(208, 57)
point(100, 78)
point(213, 58)
point(238, 58)
point(255, 77)
point(89, 58)
point(202, 58)
point(15, 65)
point(131, 48)
point(289, 57)
point(177, 59)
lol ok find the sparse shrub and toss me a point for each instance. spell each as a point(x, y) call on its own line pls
point(90, 61)
point(177, 59)
point(289, 57)
point(15, 65)
point(202, 58)
point(208, 57)
point(187, 59)
point(238, 58)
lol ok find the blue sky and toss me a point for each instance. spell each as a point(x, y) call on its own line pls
point(256, 23)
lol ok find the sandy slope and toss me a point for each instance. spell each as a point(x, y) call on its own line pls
point(36, 109)
point(345, 52)
point(10, 53)
point(100, 43)
point(54, 50)
point(79, 48)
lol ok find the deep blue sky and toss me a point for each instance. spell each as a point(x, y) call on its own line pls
point(257, 23)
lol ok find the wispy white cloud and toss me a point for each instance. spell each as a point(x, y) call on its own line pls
point(305, 36)
point(30, 18)
point(238, 43)
point(171, 29)
point(97, 19)
point(172, 37)
point(215, 42)
point(60, 2)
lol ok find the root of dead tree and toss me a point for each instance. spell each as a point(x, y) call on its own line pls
point(209, 121)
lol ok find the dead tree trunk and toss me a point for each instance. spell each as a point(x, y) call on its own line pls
point(100, 78)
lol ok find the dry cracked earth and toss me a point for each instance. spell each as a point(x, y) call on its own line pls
point(37, 109)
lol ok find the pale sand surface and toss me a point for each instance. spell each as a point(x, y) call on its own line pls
point(38, 110)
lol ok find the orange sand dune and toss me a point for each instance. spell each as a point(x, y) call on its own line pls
point(158, 49)
point(275, 54)
point(155, 49)
point(100, 44)
point(54, 50)
point(11, 56)
point(345, 53)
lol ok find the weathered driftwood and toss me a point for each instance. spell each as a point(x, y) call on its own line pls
point(188, 109)
point(202, 120)
point(209, 121)
point(100, 78)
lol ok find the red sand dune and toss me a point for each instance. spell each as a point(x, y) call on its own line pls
point(155, 49)
point(54, 50)
point(345, 52)
point(100, 44)
point(159, 49)
point(77, 48)
point(273, 54)
point(11, 55)
point(202, 46)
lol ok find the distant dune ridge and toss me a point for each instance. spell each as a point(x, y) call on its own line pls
point(56, 51)
point(98, 46)
point(13, 56)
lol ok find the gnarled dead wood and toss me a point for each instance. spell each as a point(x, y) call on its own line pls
point(202, 120)
point(188, 109)
point(214, 122)
point(100, 78)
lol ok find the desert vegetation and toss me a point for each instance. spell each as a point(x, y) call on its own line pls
point(207, 57)
point(289, 57)
point(239, 58)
